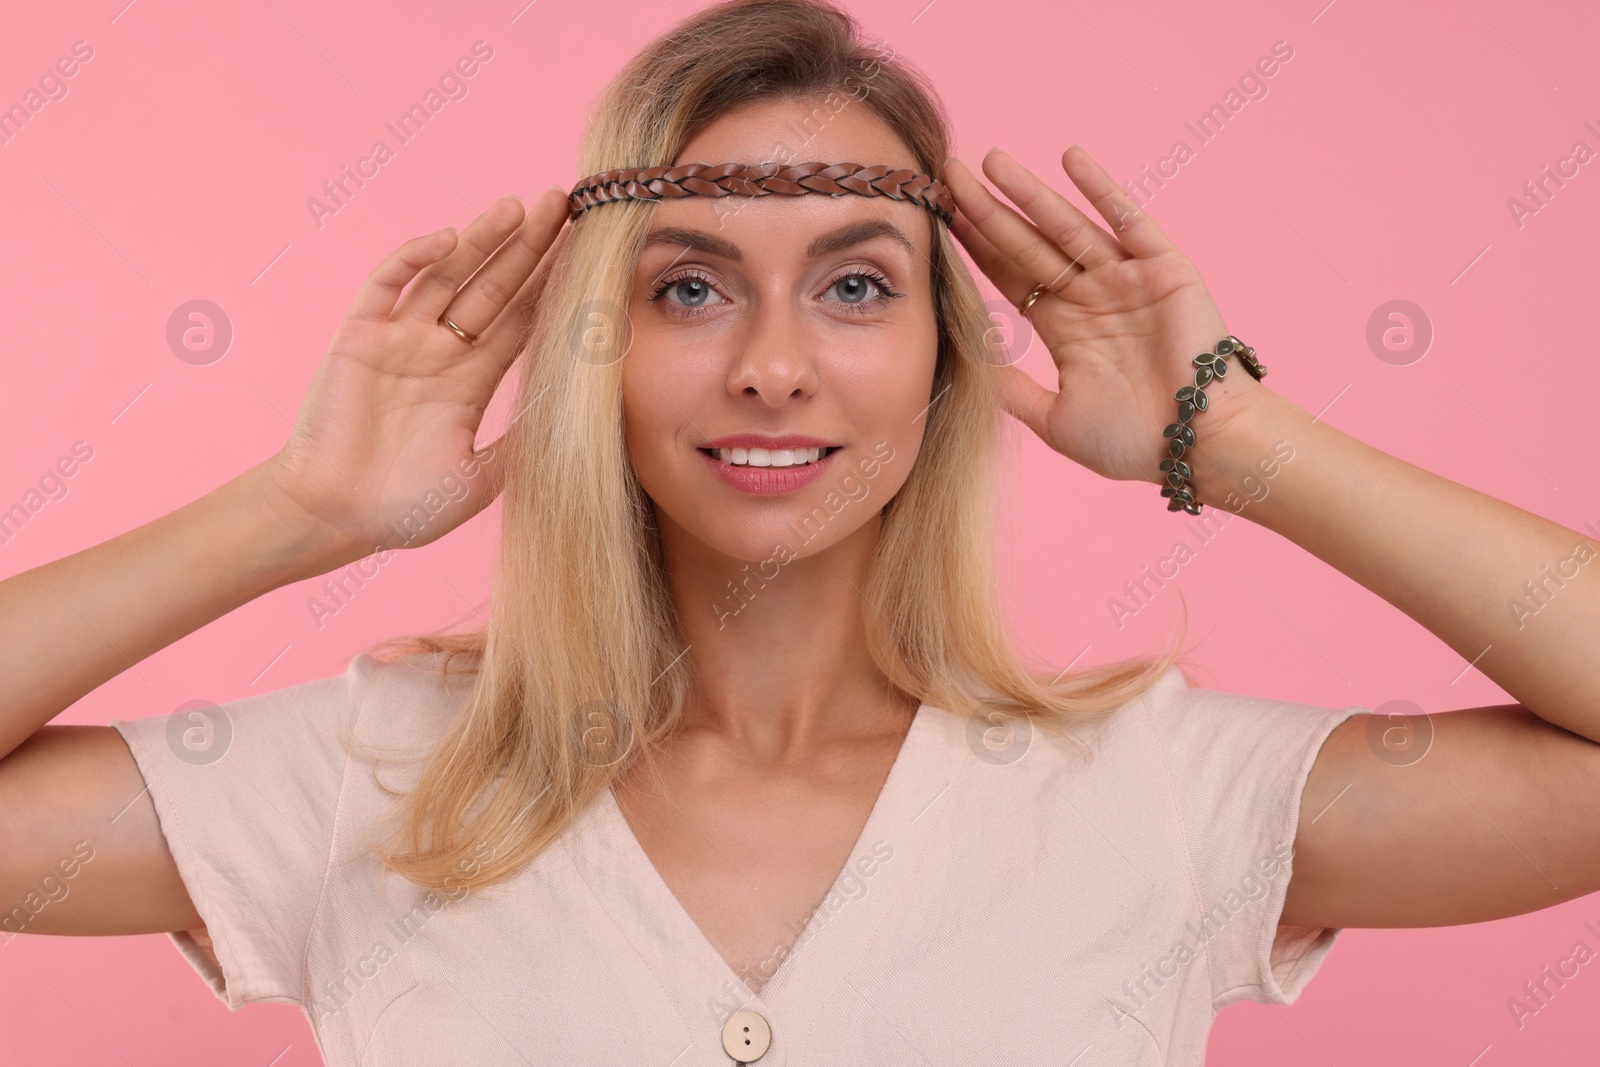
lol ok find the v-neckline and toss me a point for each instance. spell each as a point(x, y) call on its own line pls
point(911, 765)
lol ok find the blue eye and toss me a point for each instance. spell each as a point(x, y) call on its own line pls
point(696, 290)
point(856, 281)
point(861, 281)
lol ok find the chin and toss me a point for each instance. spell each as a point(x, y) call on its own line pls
point(783, 534)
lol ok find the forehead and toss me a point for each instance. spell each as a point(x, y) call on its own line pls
point(833, 130)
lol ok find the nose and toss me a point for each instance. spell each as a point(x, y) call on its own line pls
point(776, 352)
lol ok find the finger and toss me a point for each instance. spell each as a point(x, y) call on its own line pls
point(1051, 213)
point(494, 470)
point(1013, 284)
point(488, 292)
point(376, 298)
point(436, 286)
point(1026, 399)
point(1134, 228)
point(501, 340)
point(1014, 236)
point(499, 345)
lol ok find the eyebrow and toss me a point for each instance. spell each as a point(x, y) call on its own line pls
point(844, 237)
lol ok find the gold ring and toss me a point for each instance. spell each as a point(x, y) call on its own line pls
point(1038, 291)
point(470, 338)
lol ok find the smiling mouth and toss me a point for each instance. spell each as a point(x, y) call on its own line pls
point(770, 458)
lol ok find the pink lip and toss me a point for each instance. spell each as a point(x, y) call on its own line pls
point(768, 481)
point(768, 441)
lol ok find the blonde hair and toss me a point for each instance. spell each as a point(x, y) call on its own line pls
point(580, 672)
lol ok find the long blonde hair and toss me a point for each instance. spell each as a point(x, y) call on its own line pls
point(580, 670)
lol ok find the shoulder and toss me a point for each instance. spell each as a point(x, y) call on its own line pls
point(1218, 755)
point(1193, 722)
point(1174, 721)
point(405, 704)
point(1234, 764)
point(415, 683)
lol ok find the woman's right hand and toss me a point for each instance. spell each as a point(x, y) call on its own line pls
point(393, 410)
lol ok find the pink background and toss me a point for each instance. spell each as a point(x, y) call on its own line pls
point(1378, 167)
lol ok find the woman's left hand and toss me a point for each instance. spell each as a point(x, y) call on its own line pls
point(1124, 317)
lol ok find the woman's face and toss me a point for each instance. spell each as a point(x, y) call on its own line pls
point(778, 316)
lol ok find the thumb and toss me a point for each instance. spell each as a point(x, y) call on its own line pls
point(1027, 400)
point(491, 459)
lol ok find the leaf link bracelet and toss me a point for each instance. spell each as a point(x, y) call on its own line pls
point(1192, 398)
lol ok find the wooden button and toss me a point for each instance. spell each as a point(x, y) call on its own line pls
point(745, 1036)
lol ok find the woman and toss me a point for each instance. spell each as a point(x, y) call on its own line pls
point(742, 766)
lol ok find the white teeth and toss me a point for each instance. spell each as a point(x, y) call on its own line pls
point(776, 457)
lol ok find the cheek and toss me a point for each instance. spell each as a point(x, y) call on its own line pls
point(644, 367)
point(890, 387)
point(642, 420)
point(658, 389)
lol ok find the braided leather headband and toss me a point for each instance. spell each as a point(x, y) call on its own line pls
point(761, 179)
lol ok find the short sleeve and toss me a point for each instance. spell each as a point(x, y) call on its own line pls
point(247, 795)
point(1238, 765)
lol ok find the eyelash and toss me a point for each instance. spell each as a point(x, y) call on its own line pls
point(886, 292)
